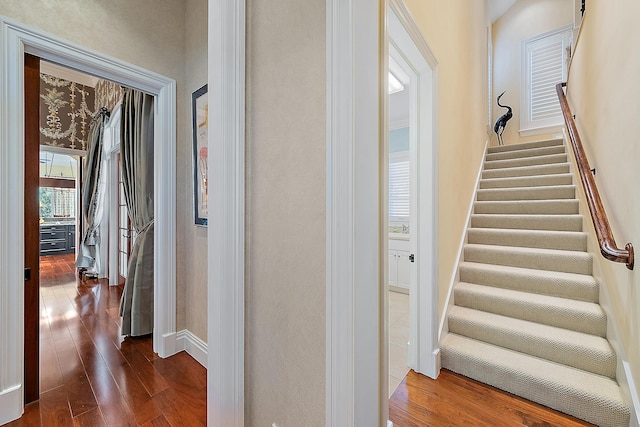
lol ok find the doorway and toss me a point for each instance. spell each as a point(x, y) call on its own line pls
point(412, 61)
point(20, 39)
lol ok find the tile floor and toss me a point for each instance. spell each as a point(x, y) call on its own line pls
point(398, 338)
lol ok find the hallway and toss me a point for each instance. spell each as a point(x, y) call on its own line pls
point(87, 378)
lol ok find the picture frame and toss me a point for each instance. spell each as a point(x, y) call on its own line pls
point(200, 121)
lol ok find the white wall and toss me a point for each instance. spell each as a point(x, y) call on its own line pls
point(604, 94)
point(191, 268)
point(285, 213)
point(456, 32)
point(524, 19)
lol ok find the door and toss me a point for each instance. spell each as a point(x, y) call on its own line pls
point(31, 228)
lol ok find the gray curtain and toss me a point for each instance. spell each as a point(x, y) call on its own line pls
point(136, 148)
point(92, 193)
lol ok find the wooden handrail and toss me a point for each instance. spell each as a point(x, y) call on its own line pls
point(608, 247)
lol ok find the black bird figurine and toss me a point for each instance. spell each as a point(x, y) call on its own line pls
point(501, 123)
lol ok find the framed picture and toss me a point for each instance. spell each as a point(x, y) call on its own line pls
point(200, 113)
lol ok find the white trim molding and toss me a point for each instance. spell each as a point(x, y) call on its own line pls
point(194, 346)
point(226, 84)
point(408, 44)
point(16, 40)
point(354, 383)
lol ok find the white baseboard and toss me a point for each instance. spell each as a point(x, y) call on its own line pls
point(443, 329)
point(11, 404)
point(167, 346)
point(634, 419)
point(187, 341)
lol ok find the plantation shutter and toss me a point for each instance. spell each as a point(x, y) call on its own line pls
point(545, 65)
point(399, 189)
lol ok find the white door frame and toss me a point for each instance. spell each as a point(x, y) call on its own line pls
point(413, 53)
point(226, 85)
point(356, 380)
point(17, 39)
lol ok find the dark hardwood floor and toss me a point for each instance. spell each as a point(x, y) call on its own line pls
point(89, 378)
point(455, 400)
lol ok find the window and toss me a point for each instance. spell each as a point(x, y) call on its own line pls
point(399, 186)
point(545, 64)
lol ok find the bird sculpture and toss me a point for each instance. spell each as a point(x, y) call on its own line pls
point(501, 123)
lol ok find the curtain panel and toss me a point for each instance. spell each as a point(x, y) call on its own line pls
point(136, 148)
point(92, 194)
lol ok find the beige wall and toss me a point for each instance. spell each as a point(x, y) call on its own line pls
point(151, 34)
point(524, 19)
point(191, 268)
point(604, 94)
point(285, 213)
point(456, 32)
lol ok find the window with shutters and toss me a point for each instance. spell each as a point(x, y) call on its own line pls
point(545, 63)
point(399, 186)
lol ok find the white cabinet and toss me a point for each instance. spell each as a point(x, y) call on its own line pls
point(399, 263)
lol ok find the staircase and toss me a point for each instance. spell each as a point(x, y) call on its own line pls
point(526, 317)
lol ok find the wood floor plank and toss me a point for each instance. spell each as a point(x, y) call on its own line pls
point(146, 372)
point(92, 418)
point(54, 407)
point(454, 400)
point(50, 375)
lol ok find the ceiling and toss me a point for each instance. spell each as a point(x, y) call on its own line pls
point(497, 8)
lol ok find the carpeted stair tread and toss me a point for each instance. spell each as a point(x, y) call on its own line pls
point(527, 181)
point(542, 239)
point(525, 314)
point(579, 350)
point(543, 259)
point(548, 207)
point(579, 316)
point(527, 152)
point(528, 222)
point(526, 161)
point(528, 193)
point(594, 398)
point(525, 146)
point(554, 168)
point(580, 287)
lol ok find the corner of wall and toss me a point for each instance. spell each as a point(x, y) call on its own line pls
point(623, 371)
point(194, 346)
point(455, 276)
